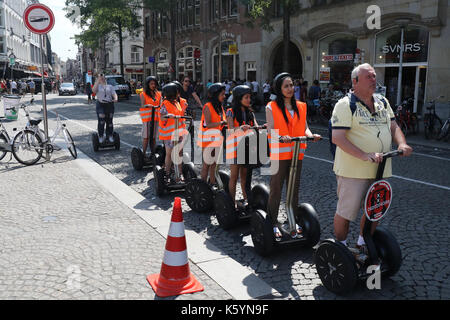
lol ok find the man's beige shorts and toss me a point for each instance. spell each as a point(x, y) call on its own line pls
point(351, 193)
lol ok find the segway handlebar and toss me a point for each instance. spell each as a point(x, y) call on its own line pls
point(392, 154)
point(302, 139)
point(176, 117)
point(150, 106)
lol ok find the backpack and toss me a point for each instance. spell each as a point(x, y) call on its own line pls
point(353, 99)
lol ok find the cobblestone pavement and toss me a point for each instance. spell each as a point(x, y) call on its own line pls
point(80, 243)
point(419, 216)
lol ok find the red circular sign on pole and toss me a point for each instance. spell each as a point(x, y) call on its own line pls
point(39, 18)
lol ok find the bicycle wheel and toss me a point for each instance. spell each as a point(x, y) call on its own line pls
point(433, 124)
point(442, 134)
point(403, 126)
point(70, 143)
point(414, 124)
point(27, 147)
point(3, 141)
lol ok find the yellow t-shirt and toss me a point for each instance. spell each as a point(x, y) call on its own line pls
point(370, 133)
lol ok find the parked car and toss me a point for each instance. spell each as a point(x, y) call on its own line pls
point(67, 88)
point(120, 86)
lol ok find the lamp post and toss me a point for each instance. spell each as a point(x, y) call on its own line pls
point(403, 23)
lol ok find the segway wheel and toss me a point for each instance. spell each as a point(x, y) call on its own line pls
point(158, 177)
point(262, 233)
point(137, 159)
point(225, 211)
point(159, 155)
point(189, 171)
point(116, 141)
point(95, 143)
point(225, 177)
point(388, 251)
point(199, 195)
point(260, 197)
point(336, 267)
point(306, 217)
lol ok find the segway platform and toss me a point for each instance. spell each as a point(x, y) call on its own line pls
point(106, 144)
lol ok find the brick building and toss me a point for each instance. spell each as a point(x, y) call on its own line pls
point(328, 39)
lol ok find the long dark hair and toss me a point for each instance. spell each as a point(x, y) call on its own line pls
point(280, 103)
point(149, 92)
point(238, 114)
point(217, 105)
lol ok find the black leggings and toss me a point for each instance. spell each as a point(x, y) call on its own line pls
point(105, 114)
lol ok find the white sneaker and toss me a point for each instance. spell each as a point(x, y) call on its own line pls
point(111, 139)
point(101, 139)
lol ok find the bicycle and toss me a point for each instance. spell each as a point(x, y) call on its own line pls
point(432, 123)
point(445, 129)
point(406, 119)
point(33, 125)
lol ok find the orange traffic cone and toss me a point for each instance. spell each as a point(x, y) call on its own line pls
point(175, 277)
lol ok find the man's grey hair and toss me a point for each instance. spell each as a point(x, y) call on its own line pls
point(356, 70)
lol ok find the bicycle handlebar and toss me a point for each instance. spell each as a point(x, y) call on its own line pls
point(393, 153)
point(176, 117)
point(302, 139)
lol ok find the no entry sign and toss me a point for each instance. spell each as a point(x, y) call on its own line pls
point(39, 18)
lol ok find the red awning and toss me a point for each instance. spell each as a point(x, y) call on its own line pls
point(40, 75)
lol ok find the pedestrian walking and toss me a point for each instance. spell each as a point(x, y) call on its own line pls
point(304, 92)
point(266, 91)
point(32, 86)
point(88, 90)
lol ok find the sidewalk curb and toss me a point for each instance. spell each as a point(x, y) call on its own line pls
point(235, 279)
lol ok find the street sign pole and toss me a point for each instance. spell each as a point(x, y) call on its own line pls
point(44, 97)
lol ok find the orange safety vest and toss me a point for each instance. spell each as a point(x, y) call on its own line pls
point(167, 126)
point(184, 104)
point(295, 128)
point(210, 137)
point(146, 113)
point(235, 138)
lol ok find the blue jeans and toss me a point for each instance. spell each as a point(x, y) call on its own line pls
point(105, 113)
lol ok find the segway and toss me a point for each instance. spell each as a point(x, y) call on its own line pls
point(157, 155)
point(199, 194)
point(106, 143)
point(304, 215)
point(338, 269)
point(227, 215)
point(188, 169)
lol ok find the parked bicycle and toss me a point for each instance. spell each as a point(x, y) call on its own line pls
point(444, 133)
point(432, 123)
point(49, 144)
point(406, 119)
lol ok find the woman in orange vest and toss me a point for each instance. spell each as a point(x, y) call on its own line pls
point(150, 96)
point(239, 119)
point(170, 108)
point(286, 118)
point(210, 134)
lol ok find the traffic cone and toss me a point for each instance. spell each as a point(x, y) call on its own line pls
point(175, 277)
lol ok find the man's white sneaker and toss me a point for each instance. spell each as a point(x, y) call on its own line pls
point(111, 139)
point(101, 139)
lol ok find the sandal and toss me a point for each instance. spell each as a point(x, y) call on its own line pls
point(277, 234)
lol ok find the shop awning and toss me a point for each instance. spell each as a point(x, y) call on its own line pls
point(40, 75)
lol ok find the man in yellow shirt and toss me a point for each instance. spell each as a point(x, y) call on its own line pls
point(361, 136)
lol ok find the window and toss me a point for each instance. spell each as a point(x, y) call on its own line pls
point(224, 8)
point(147, 27)
point(135, 55)
point(233, 7)
point(190, 12)
point(2, 45)
point(164, 23)
point(197, 12)
point(183, 11)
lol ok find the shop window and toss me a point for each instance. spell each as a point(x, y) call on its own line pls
point(233, 7)
point(190, 12)
point(197, 12)
point(415, 45)
point(336, 59)
point(224, 8)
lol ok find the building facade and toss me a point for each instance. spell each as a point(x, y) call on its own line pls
point(16, 40)
point(328, 39)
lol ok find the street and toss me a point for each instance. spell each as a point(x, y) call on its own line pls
point(419, 215)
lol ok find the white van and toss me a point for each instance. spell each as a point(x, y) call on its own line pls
point(120, 86)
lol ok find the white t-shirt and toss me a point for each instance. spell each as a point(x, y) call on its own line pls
point(266, 87)
point(13, 85)
point(255, 85)
point(105, 93)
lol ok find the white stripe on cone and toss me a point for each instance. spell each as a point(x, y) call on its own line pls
point(176, 229)
point(175, 259)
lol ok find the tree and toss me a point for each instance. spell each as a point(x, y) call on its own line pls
point(263, 12)
point(101, 18)
point(167, 6)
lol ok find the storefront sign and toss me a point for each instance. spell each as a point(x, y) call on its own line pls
point(232, 48)
point(338, 57)
point(131, 70)
point(151, 59)
point(324, 75)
